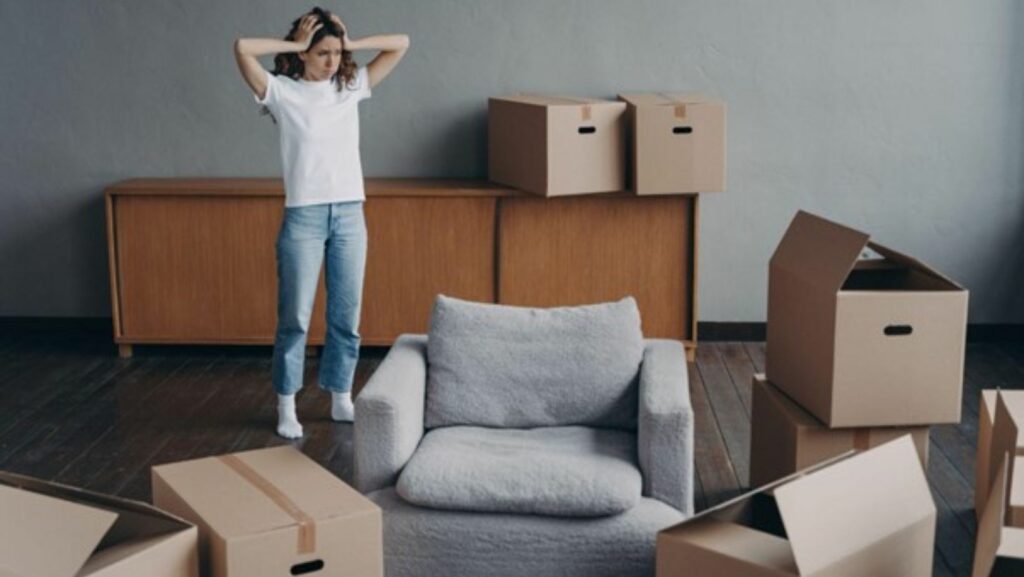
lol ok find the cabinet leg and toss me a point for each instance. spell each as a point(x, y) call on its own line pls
point(124, 351)
point(691, 353)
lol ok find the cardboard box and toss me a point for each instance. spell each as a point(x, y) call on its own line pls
point(867, 514)
point(785, 439)
point(272, 512)
point(998, 435)
point(52, 530)
point(983, 456)
point(999, 550)
point(862, 342)
point(676, 143)
point(556, 145)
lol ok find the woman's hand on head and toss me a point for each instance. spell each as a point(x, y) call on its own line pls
point(307, 28)
point(341, 26)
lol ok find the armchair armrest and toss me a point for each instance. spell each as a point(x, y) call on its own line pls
point(389, 414)
point(665, 424)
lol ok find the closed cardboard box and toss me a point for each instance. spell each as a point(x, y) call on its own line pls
point(999, 436)
point(999, 549)
point(52, 530)
point(676, 143)
point(556, 145)
point(867, 514)
point(862, 342)
point(273, 512)
point(785, 439)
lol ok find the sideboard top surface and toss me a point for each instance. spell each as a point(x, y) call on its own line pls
point(428, 187)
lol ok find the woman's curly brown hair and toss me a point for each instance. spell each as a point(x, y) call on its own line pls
point(289, 64)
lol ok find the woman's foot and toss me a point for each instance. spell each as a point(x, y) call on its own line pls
point(342, 409)
point(287, 423)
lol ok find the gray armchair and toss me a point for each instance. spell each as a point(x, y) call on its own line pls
point(494, 501)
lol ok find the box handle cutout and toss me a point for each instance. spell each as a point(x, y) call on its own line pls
point(307, 567)
point(898, 330)
point(682, 129)
point(588, 129)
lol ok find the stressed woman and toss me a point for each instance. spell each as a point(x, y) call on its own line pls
point(313, 96)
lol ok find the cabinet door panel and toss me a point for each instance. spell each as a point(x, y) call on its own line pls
point(579, 250)
point(201, 269)
point(419, 247)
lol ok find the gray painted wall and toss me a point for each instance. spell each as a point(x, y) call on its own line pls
point(903, 117)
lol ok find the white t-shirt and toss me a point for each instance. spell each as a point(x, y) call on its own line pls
point(319, 129)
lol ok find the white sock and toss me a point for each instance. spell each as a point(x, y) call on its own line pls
point(341, 407)
point(287, 423)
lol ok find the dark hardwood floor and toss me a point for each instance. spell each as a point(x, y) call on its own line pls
point(72, 411)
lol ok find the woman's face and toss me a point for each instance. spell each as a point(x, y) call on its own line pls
point(323, 58)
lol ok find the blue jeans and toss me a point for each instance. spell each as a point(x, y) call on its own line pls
point(307, 234)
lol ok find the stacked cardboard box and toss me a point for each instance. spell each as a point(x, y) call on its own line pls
point(784, 438)
point(999, 485)
point(859, 350)
point(561, 145)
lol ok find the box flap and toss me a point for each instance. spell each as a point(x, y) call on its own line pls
point(819, 251)
point(990, 525)
point(768, 488)
point(553, 100)
point(847, 507)
point(43, 536)
point(912, 263)
point(666, 98)
point(1004, 440)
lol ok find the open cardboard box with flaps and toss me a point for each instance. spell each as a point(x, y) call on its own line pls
point(867, 513)
point(52, 530)
point(861, 340)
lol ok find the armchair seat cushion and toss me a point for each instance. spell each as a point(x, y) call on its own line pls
point(570, 471)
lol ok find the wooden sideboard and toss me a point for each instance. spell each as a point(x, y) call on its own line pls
point(193, 261)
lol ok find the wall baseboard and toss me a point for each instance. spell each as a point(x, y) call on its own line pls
point(99, 327)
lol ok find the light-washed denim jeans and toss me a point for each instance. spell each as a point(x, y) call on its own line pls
point(307, 234)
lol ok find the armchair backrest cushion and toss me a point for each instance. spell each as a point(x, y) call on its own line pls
point(519, 367)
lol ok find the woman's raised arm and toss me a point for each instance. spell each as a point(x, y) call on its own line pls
point(248, 49)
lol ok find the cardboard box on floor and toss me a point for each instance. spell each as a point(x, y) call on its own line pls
point(676, 143)
point(785, 439)
point(867, 514)
point(862, 342)
point(556, 145)
point(998, 434)
point(273, 512)
point(999, 550)
point(52, 530)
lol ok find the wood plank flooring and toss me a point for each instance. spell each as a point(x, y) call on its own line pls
point(72, 411)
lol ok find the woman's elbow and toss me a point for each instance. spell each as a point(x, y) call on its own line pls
point(239, 46)
point(404, 42)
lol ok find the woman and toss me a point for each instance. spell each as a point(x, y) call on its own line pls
point(313, 96)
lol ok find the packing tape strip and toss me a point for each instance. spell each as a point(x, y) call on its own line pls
point(680, 107)
point(307, 525)
point(862, 439)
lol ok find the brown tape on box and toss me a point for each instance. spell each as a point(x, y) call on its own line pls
point(680, 107)
point(307, 525)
